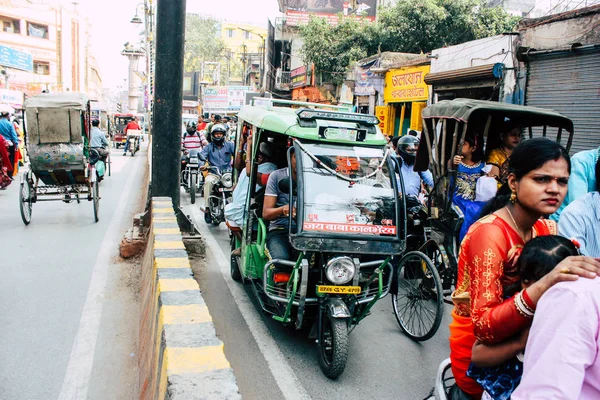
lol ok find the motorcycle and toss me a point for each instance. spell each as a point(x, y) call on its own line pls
point(191, 179)
point(134, 142)
point(222, 192)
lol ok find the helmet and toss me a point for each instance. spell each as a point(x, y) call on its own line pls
point(407, 148)
point(218, 128)
point(190, 127)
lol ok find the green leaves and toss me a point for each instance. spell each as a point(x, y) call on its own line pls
point(410, 26)
point(202, 42)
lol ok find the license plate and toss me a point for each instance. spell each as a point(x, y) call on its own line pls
point(338, 289)
point(341, 133)
point(193, 160)
point(224, 190)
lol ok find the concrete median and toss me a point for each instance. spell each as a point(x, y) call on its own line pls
point(180, 354)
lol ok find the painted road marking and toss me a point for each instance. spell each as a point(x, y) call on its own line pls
point(190, 360)
point(170, 285)
point(79, 369)
point(167, 231)
point(284, 375)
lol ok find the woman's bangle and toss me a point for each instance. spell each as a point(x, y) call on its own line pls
point(527, 300)
point(522, 308)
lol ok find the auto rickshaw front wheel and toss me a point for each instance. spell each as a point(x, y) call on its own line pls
point(333, 346)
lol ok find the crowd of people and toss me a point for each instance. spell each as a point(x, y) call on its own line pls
point(525, 282)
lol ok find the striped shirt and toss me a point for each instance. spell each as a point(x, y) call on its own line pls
point(581, 221)
point(192, 141)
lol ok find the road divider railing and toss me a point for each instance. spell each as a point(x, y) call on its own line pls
point(180, 354)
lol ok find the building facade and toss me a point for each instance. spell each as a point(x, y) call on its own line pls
point(245, 45)
point(57, 40)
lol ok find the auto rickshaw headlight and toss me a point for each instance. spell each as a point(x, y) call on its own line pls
point(227, 180)
point(340, 270)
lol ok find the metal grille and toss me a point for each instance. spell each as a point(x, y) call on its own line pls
point(569, 84)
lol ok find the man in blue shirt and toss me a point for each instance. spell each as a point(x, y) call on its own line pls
point(7, 129)
point(407, 151)
point(98, 140)
point(581, 219)
point(582, 179)
point(218, 153)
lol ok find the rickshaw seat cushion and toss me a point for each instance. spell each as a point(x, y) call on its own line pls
point(52, 157)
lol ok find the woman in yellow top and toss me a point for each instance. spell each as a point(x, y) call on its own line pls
point(498, 157)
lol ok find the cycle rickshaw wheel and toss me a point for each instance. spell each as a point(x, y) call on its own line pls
point(418, 303)
point(96, 200)
point(25, 197)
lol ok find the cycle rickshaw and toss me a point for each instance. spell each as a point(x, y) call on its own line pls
point(347, 231)
point(445, 126)
point(62, 165)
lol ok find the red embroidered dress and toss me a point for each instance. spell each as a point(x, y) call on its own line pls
point(487, 282)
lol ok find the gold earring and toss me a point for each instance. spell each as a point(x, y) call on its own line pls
point(513, 197)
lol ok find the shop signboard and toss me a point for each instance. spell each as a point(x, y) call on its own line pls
point(298, 77)
point(382, 113)
point(406, 85)
point(223, 99)
point(12, 97)
point(298, 12)
point(362, 82)
point(16, 59)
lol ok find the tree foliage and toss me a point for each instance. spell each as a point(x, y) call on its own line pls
point(202, 42)
point(410, 26)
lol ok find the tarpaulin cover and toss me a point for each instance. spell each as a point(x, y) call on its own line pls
point(62, 156)
point(58, 100)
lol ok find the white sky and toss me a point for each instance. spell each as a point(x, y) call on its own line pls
point(111, 27)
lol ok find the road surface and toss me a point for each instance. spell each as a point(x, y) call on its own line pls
point(69, 303)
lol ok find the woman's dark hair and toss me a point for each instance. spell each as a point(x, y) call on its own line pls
point(526, 157)
point(541, 254)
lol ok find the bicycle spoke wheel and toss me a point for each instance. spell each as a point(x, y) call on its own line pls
point(418, 303)
point(25, 201)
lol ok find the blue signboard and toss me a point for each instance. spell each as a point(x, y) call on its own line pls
point(15, 59)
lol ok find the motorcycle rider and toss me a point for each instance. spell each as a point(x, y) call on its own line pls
point(192, 142)
point(132, 125)
point(218, 153)
point(407, 152)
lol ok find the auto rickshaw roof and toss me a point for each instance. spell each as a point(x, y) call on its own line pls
point(286, 121)
point(77, 101)
point(466, 109)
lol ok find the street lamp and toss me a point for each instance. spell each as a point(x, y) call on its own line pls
point(149, 43)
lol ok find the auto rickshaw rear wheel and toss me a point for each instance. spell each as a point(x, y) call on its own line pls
point(234, 266)
point(333, 346)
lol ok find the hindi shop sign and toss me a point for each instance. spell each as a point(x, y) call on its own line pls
point(16, 59)
point(298, 77)
point(224, 99)
point(406, 84)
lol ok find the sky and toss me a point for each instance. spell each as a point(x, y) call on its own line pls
point(111, 27)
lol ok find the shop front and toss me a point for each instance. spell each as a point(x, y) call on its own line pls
point(405, 95)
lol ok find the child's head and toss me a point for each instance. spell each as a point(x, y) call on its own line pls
point(470, 149)
point(541, 254)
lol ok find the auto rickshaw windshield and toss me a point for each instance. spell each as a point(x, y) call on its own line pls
point(364, 204)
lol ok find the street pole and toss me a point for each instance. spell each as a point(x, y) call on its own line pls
point(166, 141)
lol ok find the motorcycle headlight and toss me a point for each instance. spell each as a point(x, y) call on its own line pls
point(227, 180)
point(340, 270)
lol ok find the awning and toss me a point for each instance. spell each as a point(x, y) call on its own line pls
point(481, 76)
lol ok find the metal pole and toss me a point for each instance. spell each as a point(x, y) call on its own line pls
point(147, 16)
point(166, 141)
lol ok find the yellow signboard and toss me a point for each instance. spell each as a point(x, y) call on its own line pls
point(406, 84)
point(383, 113)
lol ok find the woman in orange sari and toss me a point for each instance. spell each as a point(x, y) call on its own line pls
point(488, 303)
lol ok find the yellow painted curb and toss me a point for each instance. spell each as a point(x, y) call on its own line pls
point(162, 262)
point(188, 314)
point(160, 244)
point(174, 285)
point(182, 360)
point(167, 231)
point(161, 210)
